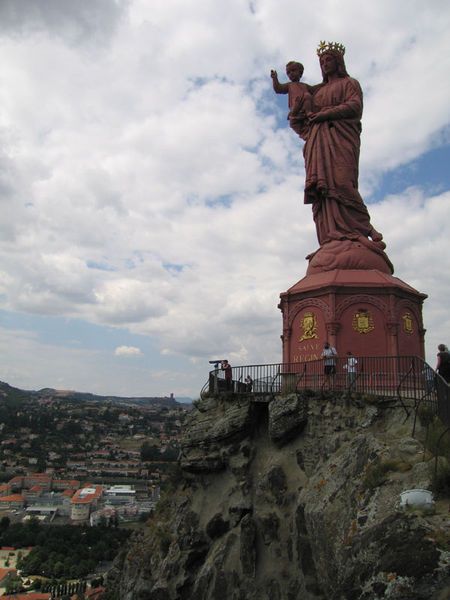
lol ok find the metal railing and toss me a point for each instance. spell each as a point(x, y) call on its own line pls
point(407, 380)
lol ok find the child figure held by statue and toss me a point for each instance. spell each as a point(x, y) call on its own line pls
point(299, 94)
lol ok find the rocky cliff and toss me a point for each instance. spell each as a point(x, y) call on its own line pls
point(293, 498)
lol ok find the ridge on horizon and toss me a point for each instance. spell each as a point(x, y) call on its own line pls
point(79, 396)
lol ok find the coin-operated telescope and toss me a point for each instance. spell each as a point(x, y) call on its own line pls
point(216, 362)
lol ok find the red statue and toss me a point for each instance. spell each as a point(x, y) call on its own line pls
point(299, 94)
point(331, 130)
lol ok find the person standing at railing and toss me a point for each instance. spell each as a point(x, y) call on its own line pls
point(429, 377)
point(228, 375)
point(443, 362)
point(248, 383)
point(329, 355)
point(350, 367)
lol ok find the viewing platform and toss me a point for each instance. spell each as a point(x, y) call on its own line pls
point(406, 380)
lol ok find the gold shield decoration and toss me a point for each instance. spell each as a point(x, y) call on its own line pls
point(309, 327)
point(363, 322)
point(407, 323)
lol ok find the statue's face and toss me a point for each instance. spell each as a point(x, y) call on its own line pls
point(328, 64)
point(294, 72)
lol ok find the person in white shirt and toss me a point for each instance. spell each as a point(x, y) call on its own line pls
point(350, 367)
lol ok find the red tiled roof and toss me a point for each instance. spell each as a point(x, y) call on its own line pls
point(42, 476)
point(95, 593)
point(32, 596)
point(81, 497)
point(17, 479)
point(69, 482)
point(36, 488)
point(12, 498)
point(6, 571)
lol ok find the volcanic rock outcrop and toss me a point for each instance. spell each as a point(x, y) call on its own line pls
point(292, 498)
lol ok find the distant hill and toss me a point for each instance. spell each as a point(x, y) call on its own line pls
point(12, 395)
point(184, 399)
point(15, 395)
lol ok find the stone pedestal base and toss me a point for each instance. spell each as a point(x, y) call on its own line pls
point(367, 312)
point(361, 254)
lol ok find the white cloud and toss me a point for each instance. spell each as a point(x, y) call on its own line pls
point(75, 22)
point(147, 183)
point(417, 230)
point(127, 351)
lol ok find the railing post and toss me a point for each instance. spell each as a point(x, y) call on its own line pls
point(216, 383)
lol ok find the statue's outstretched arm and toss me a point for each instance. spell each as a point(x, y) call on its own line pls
point(279, 88)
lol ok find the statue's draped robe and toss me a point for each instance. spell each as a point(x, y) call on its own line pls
point(331, 154)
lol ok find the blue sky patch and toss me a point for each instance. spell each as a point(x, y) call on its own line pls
point(101, 266)
point(74, 333)
point(430, 172)
point(173, 268)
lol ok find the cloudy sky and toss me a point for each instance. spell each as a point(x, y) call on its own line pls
point(151, 191)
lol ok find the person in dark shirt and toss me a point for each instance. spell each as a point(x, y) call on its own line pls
point(329, 359)
point(443, 362)
point(228, 375)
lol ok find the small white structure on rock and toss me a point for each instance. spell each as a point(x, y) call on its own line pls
point(417, 498)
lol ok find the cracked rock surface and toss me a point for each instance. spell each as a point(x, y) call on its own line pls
point(296, 498)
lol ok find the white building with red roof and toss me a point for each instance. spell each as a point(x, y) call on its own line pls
point(84, 501)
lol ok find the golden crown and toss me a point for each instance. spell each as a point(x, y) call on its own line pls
point(327, 46)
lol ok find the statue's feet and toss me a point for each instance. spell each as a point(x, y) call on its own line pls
point(360, 254)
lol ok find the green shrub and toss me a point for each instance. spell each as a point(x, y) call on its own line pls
point(441, 478)
point(376, 472)
point(442, 539)
point(164, 539)
point(438, 439)
point(426, 415)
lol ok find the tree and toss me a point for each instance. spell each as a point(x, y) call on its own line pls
point(37, 584)
point(102, 521)
point(13, 584)
point(33, 524)
point(58, 569)
point(149, 453)
point(41, 464)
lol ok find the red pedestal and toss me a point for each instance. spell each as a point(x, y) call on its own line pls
point(367, 312)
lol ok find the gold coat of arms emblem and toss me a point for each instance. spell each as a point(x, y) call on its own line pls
point(407, 323)
point(363, 322)
point(309, 326)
